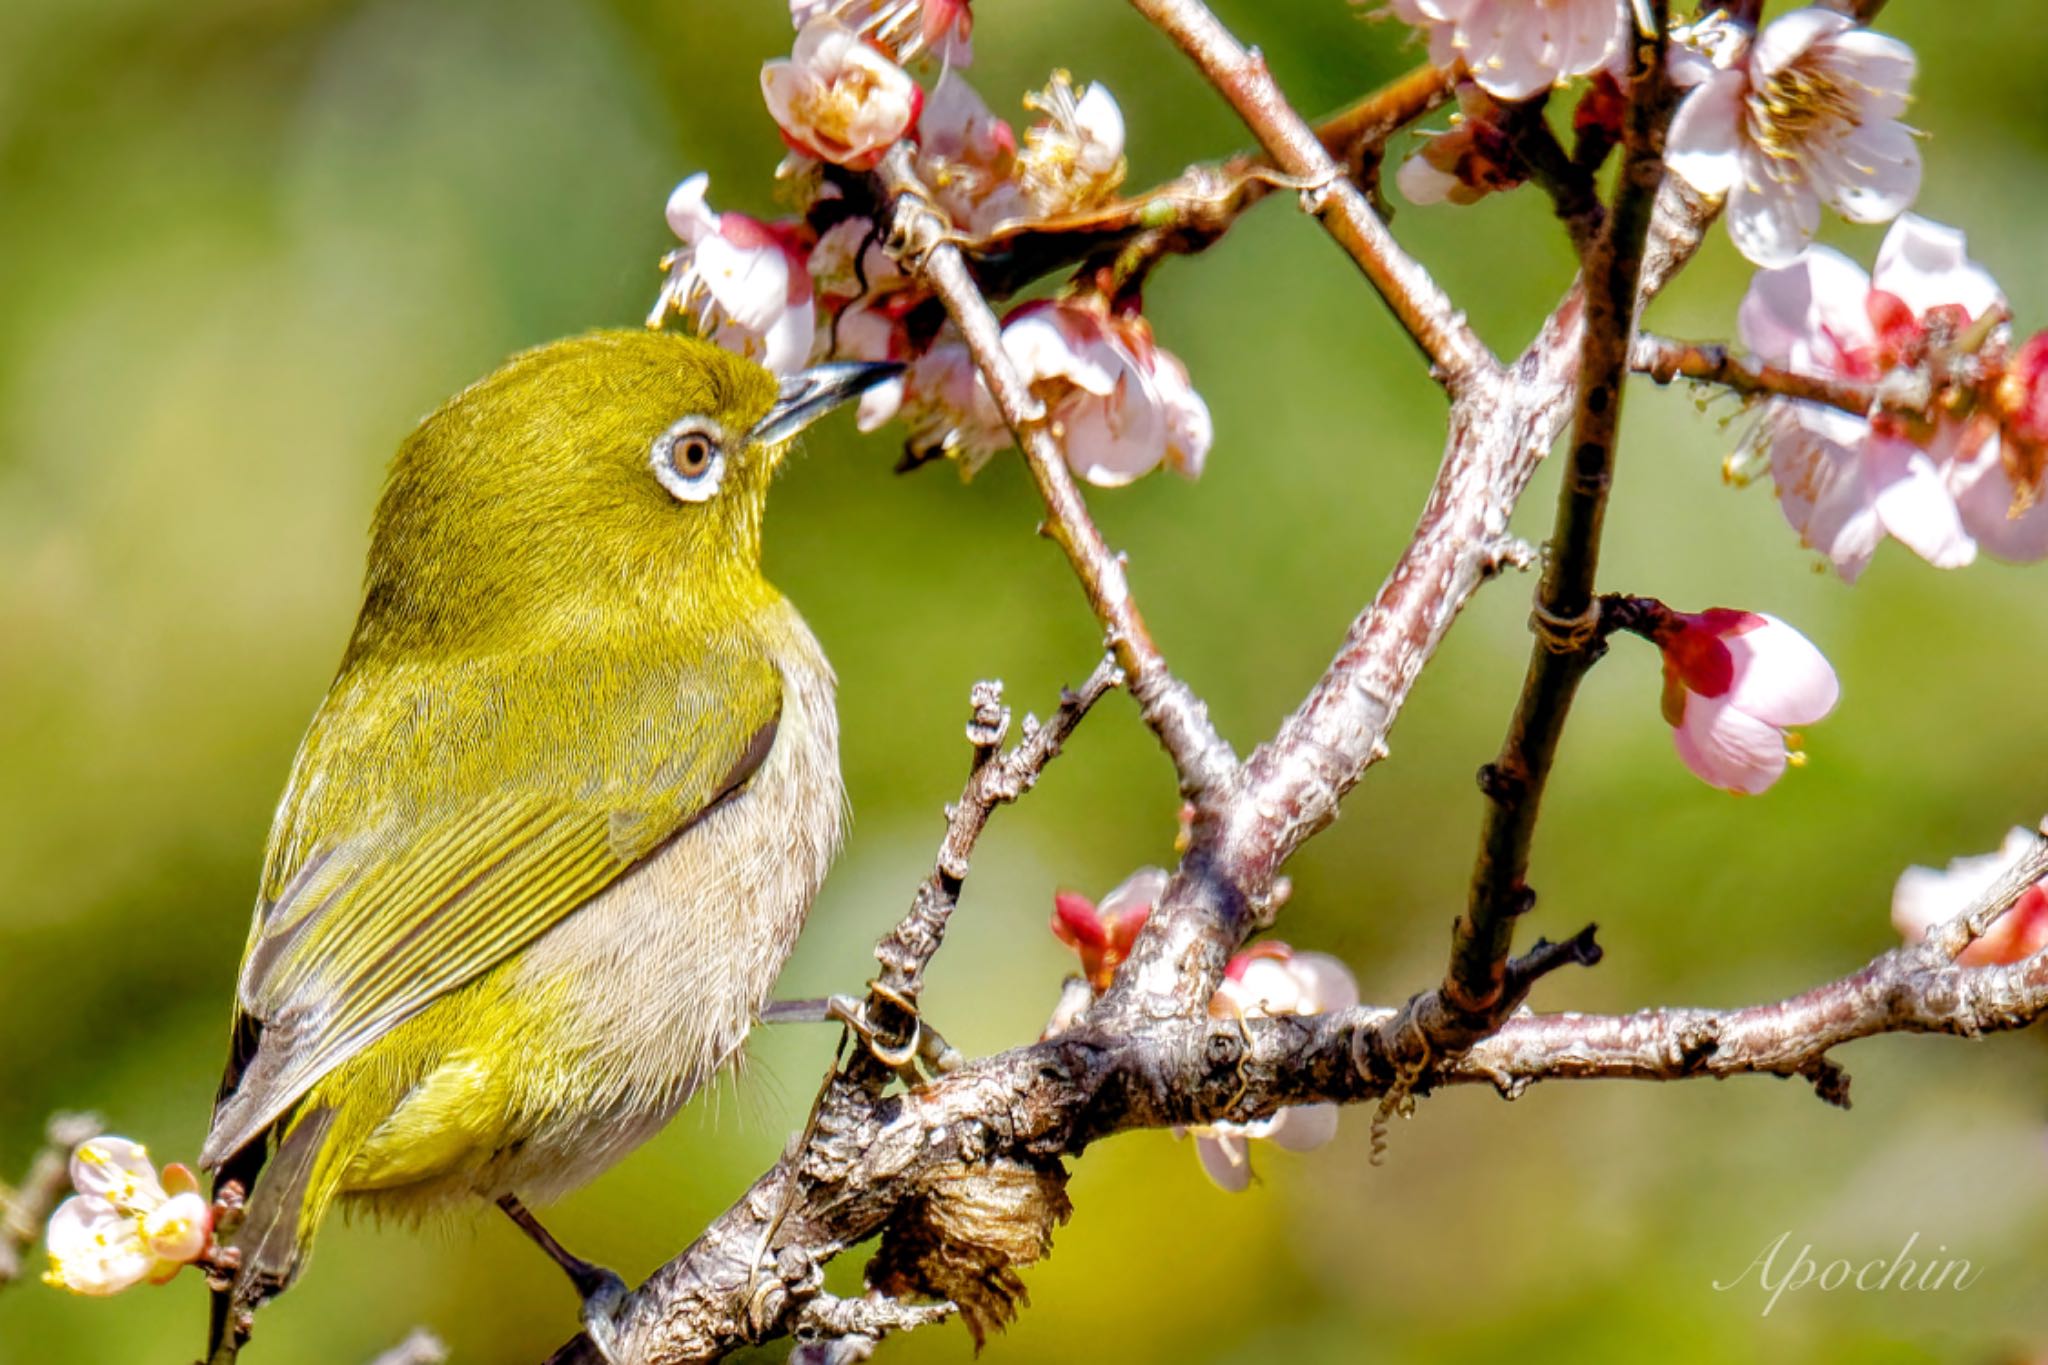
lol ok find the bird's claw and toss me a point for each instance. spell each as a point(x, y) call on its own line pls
point(604, 1294)
point(906, 1044)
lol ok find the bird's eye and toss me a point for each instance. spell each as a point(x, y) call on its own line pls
point(689, 459)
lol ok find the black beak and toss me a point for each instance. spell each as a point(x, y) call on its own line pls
point(809, 394)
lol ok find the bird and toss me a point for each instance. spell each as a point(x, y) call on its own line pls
point(554, 829)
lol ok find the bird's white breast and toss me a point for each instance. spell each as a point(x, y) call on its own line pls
point(660, 976)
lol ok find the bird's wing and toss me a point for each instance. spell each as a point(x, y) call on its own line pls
point(441, 817)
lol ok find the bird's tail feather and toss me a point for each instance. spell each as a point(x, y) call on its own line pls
point(298, 1181)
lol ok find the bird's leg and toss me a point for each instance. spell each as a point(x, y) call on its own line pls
point(601, 1291)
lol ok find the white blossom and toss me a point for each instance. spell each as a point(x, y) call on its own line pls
point(1804, 115)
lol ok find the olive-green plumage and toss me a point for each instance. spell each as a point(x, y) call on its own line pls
point(554, 828)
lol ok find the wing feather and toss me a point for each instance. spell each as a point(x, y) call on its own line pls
point(419, 846)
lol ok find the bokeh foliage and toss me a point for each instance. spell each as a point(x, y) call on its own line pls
point(245, 243)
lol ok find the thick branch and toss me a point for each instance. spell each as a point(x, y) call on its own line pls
point(1202, 758)
point(1050, 1099)
point(1565, 619)
point(1456, 354)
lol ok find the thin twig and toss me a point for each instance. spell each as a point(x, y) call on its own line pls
point(1565, 620)
point(1459, 359)
point(1194, 210)
point(26, 1207)
point(1202, 758)
point(1664, 360)
point(997, 778)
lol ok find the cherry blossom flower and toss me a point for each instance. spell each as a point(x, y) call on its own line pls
point(948, 408)
point(2002, 502)
point(1733, 682)
point(741, 282)
point(1805, 114)
point(1846, 482)
point(1102, 934)
point(1466, 162)
point(838, 97)
point(905, 28)
point(1265, 981)
point(1517, 49)
point(1925, 899)
point(1073, 157)
point(966, 156)
point(1123, 404)
point(865, 296)
point(125, 1226)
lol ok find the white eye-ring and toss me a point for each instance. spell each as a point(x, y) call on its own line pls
point(689, 459)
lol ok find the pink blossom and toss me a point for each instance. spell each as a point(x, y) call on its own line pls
point(1266, 981)
point(1102, 935)
point(1518, 49)
point(1925, 899)
point(1073, 157)
point(904, 28)
point(1806, 114)
point(1123, 404)
point(838, 97)
point(741, 282)
point(1733, 682)
point(948, 408)
point(1466, 162)
point(866, 304)
point(1847, 482)
point(967, 157)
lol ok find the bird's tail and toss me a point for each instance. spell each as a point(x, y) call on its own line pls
point(284, 1205)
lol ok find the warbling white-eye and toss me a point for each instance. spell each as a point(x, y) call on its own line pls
point(554, 830)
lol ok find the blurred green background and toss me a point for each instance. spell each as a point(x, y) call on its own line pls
point(245, 243)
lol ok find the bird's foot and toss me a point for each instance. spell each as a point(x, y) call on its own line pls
point(603, 1293)
point(903, 1042)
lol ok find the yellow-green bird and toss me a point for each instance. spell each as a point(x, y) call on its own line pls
point(554, 830)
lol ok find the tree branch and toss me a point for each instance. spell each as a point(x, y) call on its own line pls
point(1031, 1105)
point(1201, 757)
point(1665, 360)
point(1194, 210)
point(1457, 357)
point(1565, 619)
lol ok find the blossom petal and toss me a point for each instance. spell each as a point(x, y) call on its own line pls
point(689, 216)
point(1985, 499)
point(1706, 134)
point(1875, 173)
point(1878, 65)
point(1327, 984)
point(1727, 747)
point(95, 1249)
point(1802, 315)
point(1304, 1127)
point(1785, 39)
point(178, 1230)
point(1225, 1159)
point(1928, 264)
point(1781, 678)
point(117, 1170)
point(1915, 504)
point(1773, 212)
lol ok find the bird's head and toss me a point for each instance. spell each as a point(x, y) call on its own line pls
point(584, 484)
